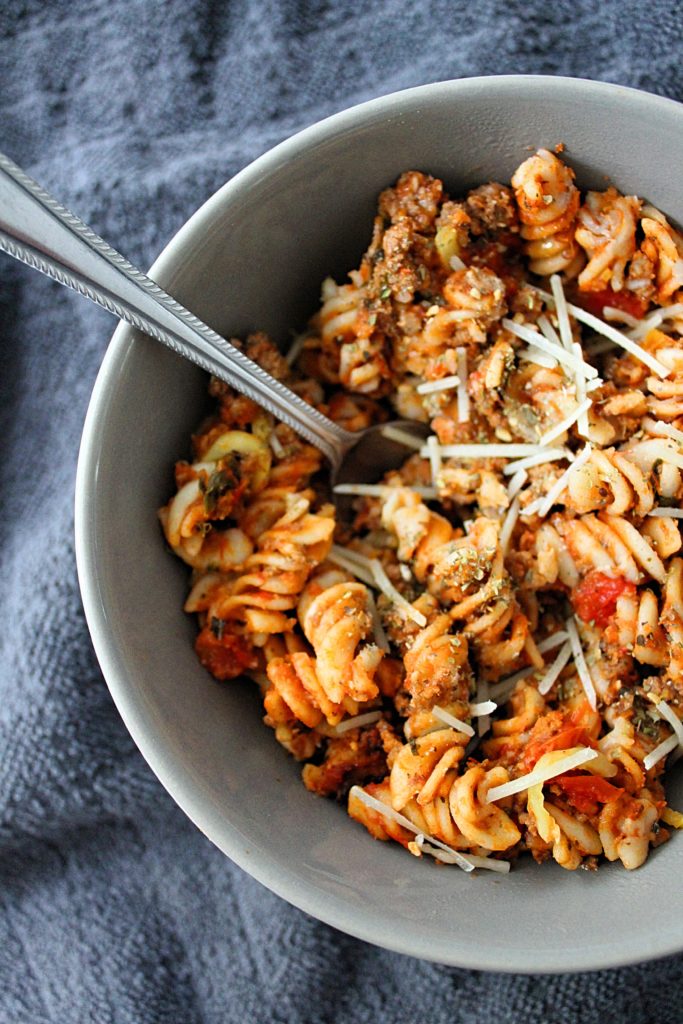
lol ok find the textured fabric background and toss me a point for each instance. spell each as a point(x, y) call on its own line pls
point(113, 907)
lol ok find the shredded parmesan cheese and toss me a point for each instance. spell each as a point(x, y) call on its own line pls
point(463, 397)
point(549, 455)
point(580, 662)
point(488, 863)
point(354, 723)
point(401, 437)
point(541, 775)
point(382, 490)
point(456, 263)
point(505, 686)
point(562, 313)
point(509, 525)
point(537, 339)
point(553, 641)
point(660, 752)
point(485, 451)
point(607, 331)
point(545, 684)
point(486, 707)
point(388, 812)
point(445, 384)
point(434, 459)
point(377, 627)
point(518, 480)
point(273, 441)
point(449, 719)
point(672, 718)
point(394, 595)
point(535, 355)
point(547, 502)
point(295, 348)
point(548, 330)
point(567, 422)
point(582, 418)
point(341, 558)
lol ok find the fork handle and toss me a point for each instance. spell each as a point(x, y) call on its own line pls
point(37, 230)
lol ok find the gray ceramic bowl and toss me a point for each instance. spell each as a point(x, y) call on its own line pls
point(254, 256)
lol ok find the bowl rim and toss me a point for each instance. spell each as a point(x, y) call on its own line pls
point(269, 871)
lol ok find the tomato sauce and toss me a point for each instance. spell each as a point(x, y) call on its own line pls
point(595, 598)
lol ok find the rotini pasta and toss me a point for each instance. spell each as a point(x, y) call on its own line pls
point(487, 659)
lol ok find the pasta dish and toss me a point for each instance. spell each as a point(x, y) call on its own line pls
point(487, 658)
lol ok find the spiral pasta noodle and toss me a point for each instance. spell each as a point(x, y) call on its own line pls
point(548, 204)
point(484, 657)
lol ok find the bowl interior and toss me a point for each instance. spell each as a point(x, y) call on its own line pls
point(254, 257)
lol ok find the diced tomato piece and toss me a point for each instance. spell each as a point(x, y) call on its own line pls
point(564, 740)
point(585, 791)
point(225, 657)
point(595, 598)
point(625, 300)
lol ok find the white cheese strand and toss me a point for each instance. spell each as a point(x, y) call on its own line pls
point(383, 490)
point(368, 718)
point(562, 313)
point(435, 463)
point(503, 450)
point(449, 719)
point(541, 775)
point(567, 422)
point(580, 662)
point(431, 386)
point(547, 502)
point(538, 340)
point(463, 396)
point(549, 455)
point(607, 331)
point(517, 482)
point(401, 437)
point(394, 595)
point(509, 525)
point(376, 805)
point(660, 752)
point(341, 558)
point(672, 718)
point(487, 863)
point(546, 683)
point(485, 707)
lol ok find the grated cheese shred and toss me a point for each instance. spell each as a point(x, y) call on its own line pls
point(449, 719)
point(607, 331)
point(580, 662)
point(567, 422)
point(547, 502)
point(429, 387)
point(395, 596)
point(388, 812)
point(660, 752)
point(545, 685)
point(368, 718)
point(540, 775)
point(549, 455)
point(463, 398)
